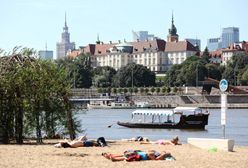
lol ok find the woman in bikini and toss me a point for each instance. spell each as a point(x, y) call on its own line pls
point(174, 141)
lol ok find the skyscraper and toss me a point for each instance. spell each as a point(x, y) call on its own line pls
point(65, 44)
point(229, 36)
point(195, 42)
point(46, 54)
point(214, 44)
point(143, 36)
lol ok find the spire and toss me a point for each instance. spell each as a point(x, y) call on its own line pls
point(65, 28)
point(172, 36)
point(172, 19)
point(65, 20)
point(173, 29)
point(98, 39)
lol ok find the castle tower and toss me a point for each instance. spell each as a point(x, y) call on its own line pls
point(172, 36)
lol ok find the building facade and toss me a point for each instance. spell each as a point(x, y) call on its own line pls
point(229, 36)
point(46, 54)
point(142, 36)
point(195, 42)
point(214, 44)
point(157, 54)
point(65, 45)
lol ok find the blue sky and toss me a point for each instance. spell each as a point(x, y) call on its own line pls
point(32, 23)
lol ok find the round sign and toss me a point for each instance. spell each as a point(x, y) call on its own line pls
point(223, 85)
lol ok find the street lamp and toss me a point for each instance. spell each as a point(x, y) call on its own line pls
point(197, 75)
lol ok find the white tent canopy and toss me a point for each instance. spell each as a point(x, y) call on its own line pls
point(187, 109)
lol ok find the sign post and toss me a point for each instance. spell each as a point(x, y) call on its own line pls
point(223, 85)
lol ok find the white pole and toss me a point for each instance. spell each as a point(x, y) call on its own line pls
point(223, 111)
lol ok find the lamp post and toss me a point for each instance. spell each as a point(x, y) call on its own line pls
point(196, 75)
point(74, 74)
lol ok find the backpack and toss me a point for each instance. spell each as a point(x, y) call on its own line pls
point(101, 141)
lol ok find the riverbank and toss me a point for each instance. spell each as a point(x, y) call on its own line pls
point(47, 156)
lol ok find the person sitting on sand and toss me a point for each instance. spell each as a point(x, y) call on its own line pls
point(174, 141)
point(137, 155)
point(79, 142)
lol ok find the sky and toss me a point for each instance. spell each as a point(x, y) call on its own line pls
point(33, 23)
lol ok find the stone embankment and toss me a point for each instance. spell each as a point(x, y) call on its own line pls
point(206, 101)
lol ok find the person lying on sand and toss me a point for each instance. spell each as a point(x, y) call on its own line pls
point(137, 155)
point(79, 142)
point(174, 141)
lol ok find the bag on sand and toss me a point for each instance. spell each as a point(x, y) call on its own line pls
point(101, 141)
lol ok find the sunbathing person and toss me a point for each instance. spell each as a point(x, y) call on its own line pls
point(79, 142)
point(174, 141)
point(136, 155)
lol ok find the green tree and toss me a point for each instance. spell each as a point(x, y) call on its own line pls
point(158, 89)
point(235, 66)
point(205, 56)
point(152, 90)
point(135, 90)
point(137, 74)
point(103, 76)
point(35, 95)
point(79, 70)
point(244, 76)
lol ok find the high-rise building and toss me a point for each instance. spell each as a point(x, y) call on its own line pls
point(214, 44)
point(46, 54)
point(65, 45)
point(195, 42)
point(229, 36)
point(143, 36)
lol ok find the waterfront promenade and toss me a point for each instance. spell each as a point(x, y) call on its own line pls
point(193, 97)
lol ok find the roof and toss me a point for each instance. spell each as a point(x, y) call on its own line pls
point(151, 45)
point(216, 53)
point(74, 53)
point(179, 46)
point(153, 112)
point(187, 109)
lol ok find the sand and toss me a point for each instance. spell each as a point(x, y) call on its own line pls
point(47, 156)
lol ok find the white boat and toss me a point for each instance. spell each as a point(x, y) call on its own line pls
point(106, 104)
point(189, 118)
point(139, 104)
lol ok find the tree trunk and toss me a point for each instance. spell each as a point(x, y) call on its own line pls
point(38, 126)
point(70, 122)
point(19, 118)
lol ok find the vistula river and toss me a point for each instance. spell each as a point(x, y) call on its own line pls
point(95, 123)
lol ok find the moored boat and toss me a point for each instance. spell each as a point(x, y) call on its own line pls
point(178, 118)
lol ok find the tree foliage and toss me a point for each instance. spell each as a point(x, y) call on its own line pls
point(235, 67)
point(134, 74)
point(33, 98)
point(103, 76)
point(79, 70)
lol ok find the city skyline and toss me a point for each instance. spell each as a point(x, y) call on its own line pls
point(35, 23)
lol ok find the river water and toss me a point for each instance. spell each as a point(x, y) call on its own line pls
point(95, 123)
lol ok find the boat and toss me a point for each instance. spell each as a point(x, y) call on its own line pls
point(177, 118)
point(141, 104)
point(107, 102)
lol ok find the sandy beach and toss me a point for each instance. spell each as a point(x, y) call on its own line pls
point(47, 156)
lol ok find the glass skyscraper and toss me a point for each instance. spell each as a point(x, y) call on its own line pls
point(229, 36)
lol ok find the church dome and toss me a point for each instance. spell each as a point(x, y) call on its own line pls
point(122, 47)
